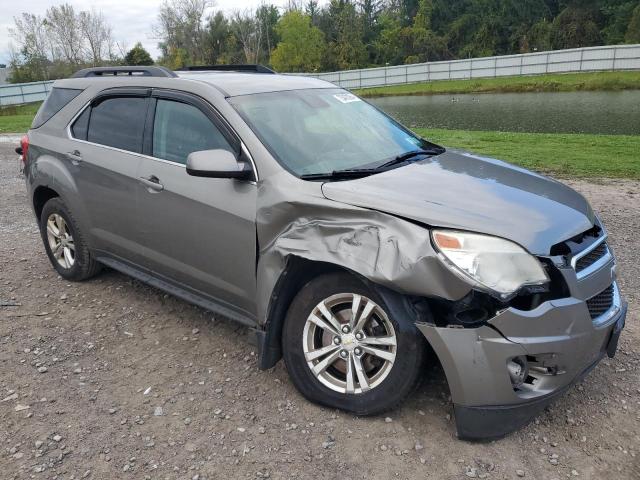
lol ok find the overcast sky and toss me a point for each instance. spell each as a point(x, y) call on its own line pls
point(131, 19)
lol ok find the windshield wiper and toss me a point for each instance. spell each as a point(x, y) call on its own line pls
point(404, 157)
point(364, 172)
point(340, 174)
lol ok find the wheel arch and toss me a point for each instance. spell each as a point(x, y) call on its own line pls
point(41, 195)
point(297, 273)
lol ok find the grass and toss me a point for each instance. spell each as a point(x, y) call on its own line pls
point(580, 155)
point(18, 118)
point(568, 82)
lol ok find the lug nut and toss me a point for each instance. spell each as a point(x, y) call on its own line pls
point(344, 354)
point(346, 329)
point(359, 336)
point(358, 351)
point(336, 340)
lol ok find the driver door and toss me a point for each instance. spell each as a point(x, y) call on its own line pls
point(199, 232)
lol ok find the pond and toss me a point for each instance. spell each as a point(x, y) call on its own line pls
point(571, 112)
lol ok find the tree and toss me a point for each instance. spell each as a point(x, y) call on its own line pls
point(59, 43)
point(217, 35)
point(64, 27)
point(575, 27)
point(268, 16)
point(97, 34)
point(633, 30)
point(30, 62)
point(181, 29)
point(301, 45)
point(138, 56)
point(248, 31)
point(347, 48)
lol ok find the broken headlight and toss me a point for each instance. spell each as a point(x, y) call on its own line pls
point(491, 263)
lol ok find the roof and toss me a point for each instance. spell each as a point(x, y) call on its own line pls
point(233, 83)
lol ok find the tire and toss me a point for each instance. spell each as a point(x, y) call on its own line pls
point(388, 386)
point(68, 252)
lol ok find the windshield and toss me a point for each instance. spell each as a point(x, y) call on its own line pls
point(323, 130)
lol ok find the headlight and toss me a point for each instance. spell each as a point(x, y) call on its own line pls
point(493, 263)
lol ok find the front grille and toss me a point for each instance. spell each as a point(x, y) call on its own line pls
point(592, 257)
point(602, 302)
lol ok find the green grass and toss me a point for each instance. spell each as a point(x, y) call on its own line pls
point(17, 119)
point(569, 82)
point(578, 155)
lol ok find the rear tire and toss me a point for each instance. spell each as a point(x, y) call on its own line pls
point(366, 363)
point(65, 244)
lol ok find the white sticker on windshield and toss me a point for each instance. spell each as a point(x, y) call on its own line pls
point(346, 97)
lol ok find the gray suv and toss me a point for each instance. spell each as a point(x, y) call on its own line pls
point(354, 249)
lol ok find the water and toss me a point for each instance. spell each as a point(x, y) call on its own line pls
point(572, 112)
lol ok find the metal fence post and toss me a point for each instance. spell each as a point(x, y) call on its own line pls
point(546, 66)
point(521, 61)
point(581, 57)
point(615, 51)
point(22, 94)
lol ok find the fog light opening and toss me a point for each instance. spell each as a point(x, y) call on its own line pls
point(518, 368)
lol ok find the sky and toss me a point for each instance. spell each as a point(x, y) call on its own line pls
point(131, 20)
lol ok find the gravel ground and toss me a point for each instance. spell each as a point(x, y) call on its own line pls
point(114, 379)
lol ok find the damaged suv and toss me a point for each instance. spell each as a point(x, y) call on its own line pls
point(353, 248)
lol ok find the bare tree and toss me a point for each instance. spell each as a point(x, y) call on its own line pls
point(63, 26)
point(97, 34)
point(248, 30)
point(30, 34)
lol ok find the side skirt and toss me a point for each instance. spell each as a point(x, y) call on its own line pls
point(180, 291)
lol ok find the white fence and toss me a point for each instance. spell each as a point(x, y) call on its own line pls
point(591, 59)
point(17, 93)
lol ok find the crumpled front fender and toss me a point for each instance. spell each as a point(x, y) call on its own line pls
point(382, 248)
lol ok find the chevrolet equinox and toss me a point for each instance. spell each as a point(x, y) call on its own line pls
point(356, 250)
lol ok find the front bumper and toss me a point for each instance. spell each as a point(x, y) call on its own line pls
point(560, 341)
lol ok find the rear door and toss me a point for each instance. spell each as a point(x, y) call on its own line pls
point(107, 150)
point(198, 231)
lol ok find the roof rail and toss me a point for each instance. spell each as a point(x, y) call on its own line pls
point(150, 71)
point(245, 68)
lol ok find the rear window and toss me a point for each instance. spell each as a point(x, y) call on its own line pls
point(118, 122)
point(57, 98)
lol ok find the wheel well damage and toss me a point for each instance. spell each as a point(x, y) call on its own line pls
point(41, 196)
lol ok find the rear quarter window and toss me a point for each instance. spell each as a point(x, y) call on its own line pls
point(55, 101)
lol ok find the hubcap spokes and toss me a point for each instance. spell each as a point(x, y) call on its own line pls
point(349, 343)
point(61, 241)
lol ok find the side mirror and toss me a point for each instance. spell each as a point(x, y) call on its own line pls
point(217, 164)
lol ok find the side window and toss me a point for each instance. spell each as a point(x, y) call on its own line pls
point(81, 125)
point(180, 128)
point(55, 101)
point(118, 122)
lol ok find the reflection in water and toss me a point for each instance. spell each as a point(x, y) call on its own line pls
point(572, 112)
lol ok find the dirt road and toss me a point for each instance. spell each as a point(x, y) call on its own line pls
point(113, 379)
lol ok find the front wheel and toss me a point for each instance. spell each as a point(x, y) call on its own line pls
point(343, 349)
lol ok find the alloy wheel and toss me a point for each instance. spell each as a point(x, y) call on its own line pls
point(349, 343)
point(61, 241)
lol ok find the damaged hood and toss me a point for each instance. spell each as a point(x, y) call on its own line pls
point(467, 192)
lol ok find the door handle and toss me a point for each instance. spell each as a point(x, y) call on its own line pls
point(152, 183)
point(75, 157)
